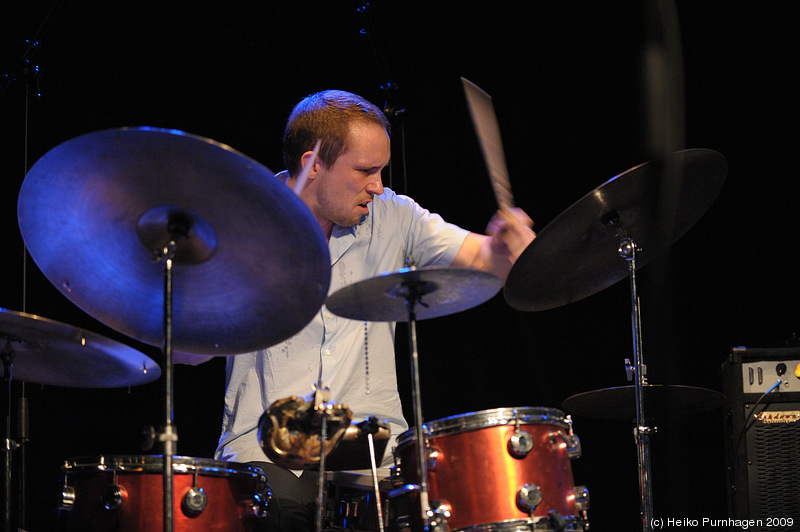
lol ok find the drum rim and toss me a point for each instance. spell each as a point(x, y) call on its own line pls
point(524, 525)
point(154, 464)
point(527, 415)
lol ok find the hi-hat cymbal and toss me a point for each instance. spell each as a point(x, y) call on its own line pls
point(250, 271)
point(44, 351)
point(660, 401)
point(576, 255)
point(442, 291)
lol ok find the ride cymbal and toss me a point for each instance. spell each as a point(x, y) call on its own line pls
point(251, 263)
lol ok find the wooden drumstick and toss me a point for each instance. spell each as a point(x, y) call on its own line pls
point(485, 122)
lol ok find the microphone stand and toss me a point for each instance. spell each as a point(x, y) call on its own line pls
point(392, 108)
point(29, 71)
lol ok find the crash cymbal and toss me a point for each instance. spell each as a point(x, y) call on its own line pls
point(443, 291)
point(251, 268)
point(576, 254)
point(44, 351)
point(660, 401)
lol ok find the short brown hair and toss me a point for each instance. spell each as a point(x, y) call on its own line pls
point(327, 116)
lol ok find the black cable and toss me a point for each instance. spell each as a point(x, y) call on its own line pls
point(750, 420)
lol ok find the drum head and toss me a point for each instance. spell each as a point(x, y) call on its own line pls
point(526, 415)
point(155, 464)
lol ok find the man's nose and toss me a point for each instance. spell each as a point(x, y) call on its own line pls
point(375, 186)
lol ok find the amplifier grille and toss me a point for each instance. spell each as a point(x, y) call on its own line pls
point(774, 455)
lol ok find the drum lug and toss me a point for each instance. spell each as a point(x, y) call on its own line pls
point(114, 497)
point(529, 497)
point(67, 498)
point(67, 492)
point(572, 441)
point(581, 494)
point(574, 447)
point(520, 444)
point(194, 502)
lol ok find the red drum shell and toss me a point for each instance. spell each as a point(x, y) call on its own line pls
point(237, 494)
point(477, 475)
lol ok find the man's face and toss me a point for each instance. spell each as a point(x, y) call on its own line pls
point(345, 189)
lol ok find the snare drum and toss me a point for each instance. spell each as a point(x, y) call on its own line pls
point(505, 469)
point(125, 493)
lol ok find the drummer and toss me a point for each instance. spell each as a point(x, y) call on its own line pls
point(370, 230)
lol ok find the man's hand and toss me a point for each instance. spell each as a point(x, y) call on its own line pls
point(510, 232)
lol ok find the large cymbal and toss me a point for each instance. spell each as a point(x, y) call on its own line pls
point(576, 254)
point(660, 401)
point(443, 291)
point(48, 352)
point(252, 271)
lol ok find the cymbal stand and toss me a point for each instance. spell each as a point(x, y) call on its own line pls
point(168, 436)
point(9, 444)
point(629, 250)
point(321, 408)
point(412, 291)
point(167, 231)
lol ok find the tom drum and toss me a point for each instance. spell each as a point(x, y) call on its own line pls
point(504, 469)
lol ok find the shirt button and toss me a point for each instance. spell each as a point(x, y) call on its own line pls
point(328, 352)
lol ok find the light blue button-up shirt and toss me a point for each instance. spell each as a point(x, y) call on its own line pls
point(396, 228)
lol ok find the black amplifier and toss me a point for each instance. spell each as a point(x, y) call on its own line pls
point(762, 435)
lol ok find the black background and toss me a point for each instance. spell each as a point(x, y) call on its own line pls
point(567, 87)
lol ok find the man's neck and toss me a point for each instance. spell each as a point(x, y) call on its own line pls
point(327, 228)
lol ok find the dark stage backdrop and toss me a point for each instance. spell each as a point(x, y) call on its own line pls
point(566, 82)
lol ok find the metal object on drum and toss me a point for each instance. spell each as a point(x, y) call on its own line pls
point(122, 493)
point(48, 352)
point(94, 211)
point(576, 255)
point(289, 431)
point(486, 482)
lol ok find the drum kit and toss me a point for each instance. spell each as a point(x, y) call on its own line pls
point(129, 225)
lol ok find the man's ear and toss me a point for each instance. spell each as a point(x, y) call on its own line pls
point(306, 159)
